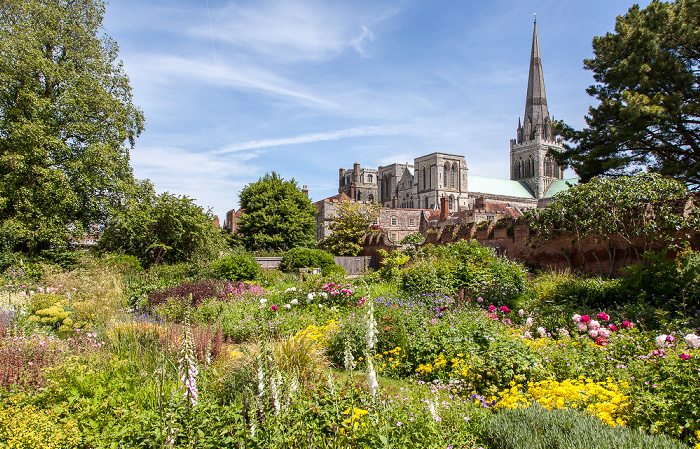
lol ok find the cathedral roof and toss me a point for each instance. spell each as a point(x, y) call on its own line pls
point(560, 185)
point(536, 101)
point(497, 186)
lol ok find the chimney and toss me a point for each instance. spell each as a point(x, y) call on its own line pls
point(305, 191)
point(395, 203)
point(443, 208)
point(216, 221)
point(352, 191)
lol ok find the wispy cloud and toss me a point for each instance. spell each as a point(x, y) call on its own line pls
point(361, 131)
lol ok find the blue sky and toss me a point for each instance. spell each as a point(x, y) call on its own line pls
point(232, 90)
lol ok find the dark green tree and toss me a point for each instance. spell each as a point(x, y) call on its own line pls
point(67, 121)
point(277, 215)
point(161, 228)
point(648, 88)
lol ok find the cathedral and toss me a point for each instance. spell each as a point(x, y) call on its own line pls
point(534, 175)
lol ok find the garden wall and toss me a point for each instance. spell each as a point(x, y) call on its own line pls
point(515, 240)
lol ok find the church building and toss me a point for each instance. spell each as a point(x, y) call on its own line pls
point(534, 175)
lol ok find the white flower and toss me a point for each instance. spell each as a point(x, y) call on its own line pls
point(287, 306)
point(528, 322)
point(521, 312)
point(594, 325)
point(372, 377)
point(563, 332)
point(263, 301)
point(542, 331)
point(603, 332)
point(593, 333)
point(581, 326)
point(661, 341)
point(692, 340)
point(294, 302)
point(310, 297)
point(527, 334)
point(324, 295)
point(576, 318)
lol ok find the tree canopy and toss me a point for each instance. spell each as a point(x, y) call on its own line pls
point(648, 88)
point(351, 221)
point(277, 215)
point(161, 228)
point(67, 121)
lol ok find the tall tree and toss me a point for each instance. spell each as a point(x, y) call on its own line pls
point(67, 121)
point(277, 215)
point(648, 88)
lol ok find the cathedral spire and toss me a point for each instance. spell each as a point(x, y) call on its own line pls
point(536, 111)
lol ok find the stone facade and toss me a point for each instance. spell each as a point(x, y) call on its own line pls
point(358, 183)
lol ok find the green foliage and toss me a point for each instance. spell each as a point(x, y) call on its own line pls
point(277, 215)
point(297, 258)
point(334, 271)
point(236, 267)
point(429, 275)
point(351, 221)
point(630, 214)
point(412, 241)
point(646, 94)
point(64, 258)
point(535, 427)
point(67, 121)
point(392, 263)
point(162, 229)
point(28, 427)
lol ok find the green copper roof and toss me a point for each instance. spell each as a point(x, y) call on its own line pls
point(559, 186)
point(496, 186)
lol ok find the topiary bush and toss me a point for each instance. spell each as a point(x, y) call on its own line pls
point(535, 427)
point(236, 267)
point(300, 257)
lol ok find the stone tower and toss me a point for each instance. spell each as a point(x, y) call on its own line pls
point(530, 161)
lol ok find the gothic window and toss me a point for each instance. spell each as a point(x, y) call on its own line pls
point(548, 169)
point(362, 179)
point(521, 167)
point(452, 177)
point(426, 202)
point(530, 170)
point(444, 175)
point(359, 196)
point(369, 179)
point(452, 203)
point(424, 179)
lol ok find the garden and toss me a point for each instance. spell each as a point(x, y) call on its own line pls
point(98, 352)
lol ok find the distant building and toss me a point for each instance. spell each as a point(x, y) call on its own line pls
point(534, 175)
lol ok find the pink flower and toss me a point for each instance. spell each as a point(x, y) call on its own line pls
point(593, 333)
point(603, 332)
point(479, 299)
point(505, 309)
point(627, 325)
point(582, 327)
point(492, 307)
point(595, 325)
point(685, 356)
point(576, 318)
point(585, 319)
point(612, 327)
point(603, 316)
point(670, 338)
point(600, 341)
point(274, 308)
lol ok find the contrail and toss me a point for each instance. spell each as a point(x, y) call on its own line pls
point(211, 33)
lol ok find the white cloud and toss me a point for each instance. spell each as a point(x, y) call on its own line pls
point(361, 131)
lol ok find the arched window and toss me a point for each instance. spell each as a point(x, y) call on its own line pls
point(521, 168)
point(452, 202)
point(424, 179)
point(444, 175)
point(452, 177)
point(369, 179)
point(362, 179)
point(426, 202)
point(359, 196)
point(548, 168)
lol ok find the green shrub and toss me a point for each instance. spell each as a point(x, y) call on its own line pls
point(334, 271)
point(431, 275)
point(64, 258)
point(535, 427)
point(236, 267)
point(300, 257)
